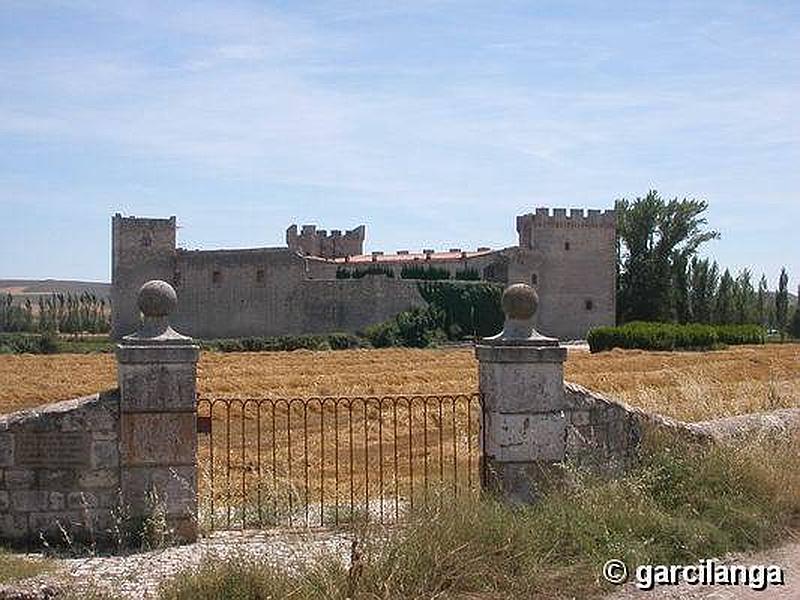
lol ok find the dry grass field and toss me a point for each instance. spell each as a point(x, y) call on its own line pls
point(686, 385)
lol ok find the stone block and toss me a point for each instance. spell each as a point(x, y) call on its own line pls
point(598, 415)
point(81, 500)
point(522, 388)
point(522, 438)
point(53, 524)
point(19, 478)
point(29, 500)
point(6, 449)
point(4, 501)
point(579, 418)
point(56, 478)
point(104, 454)
point(96, 417)
point(158, 439)
point(98, 479)
point(56, 501)
point(14, 526)
point(129, 353)
point(148, 387)
point(173, 487)
point(522, 483)
point(522, 353)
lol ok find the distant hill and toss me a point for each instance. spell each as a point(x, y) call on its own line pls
point(32, 288)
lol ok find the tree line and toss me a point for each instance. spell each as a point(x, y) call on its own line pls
point(661, 277)
point(59, 312)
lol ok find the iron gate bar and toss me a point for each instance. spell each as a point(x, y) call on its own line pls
point(317, 428)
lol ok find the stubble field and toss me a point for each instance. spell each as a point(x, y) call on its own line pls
point(689, 386)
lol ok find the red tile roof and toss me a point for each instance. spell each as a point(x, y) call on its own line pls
point(410, 257)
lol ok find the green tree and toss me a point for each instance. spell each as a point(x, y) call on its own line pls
point(724, 302)
point(680, 290)
point(704, 277)
point(794, 327)
point(782, 302)
point(745, 298)
point(761, 301)
point(655, 238)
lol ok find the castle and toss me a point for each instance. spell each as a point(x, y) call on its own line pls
point(568, 256)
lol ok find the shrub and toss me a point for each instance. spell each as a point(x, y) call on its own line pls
point(670, 336)
point(331, 341)
point(28, 343)
point(467, 275)
point(359, 272)
point(415, 328)
point(427, 273)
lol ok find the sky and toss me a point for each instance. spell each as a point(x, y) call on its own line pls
point(435, 123)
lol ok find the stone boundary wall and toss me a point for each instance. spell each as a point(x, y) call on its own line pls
point(59, 471)
point(606, 434)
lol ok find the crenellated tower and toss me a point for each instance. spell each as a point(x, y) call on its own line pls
point(318, 242)
point(141, 250)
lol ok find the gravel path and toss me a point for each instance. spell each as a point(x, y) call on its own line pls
point(138, 576)
point(787, 556)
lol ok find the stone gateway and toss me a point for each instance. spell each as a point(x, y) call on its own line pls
point(569, 257)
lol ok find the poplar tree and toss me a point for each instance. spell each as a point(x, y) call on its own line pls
point(782, 302)
point(656, 238)
point(761, 301)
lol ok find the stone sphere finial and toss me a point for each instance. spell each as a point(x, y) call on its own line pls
point(157, 299)
point(520, 302)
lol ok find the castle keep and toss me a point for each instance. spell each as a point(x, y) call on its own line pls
point(568, 256)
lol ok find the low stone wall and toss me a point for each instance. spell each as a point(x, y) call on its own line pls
point(60, 471)
point(601, 432)
point(606, 434)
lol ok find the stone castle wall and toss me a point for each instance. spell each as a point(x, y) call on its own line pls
point(60, 471)
point(568, 257)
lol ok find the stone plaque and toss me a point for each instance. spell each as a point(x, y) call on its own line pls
point(51, 449)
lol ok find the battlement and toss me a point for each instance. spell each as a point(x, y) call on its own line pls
point(562, 218)
point(142, 222)
point(318, 242)
point(573, 217)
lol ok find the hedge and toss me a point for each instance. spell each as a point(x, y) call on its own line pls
point(669, 336)
point(28, 343)
point(331, 341)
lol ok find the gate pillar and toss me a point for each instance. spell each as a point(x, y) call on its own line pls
point(523, 422)
point(157, 370)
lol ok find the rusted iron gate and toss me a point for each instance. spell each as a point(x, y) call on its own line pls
point(323, 461)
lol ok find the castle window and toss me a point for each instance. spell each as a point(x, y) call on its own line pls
point(534, 279)
point(260, 275)
point(589, 305)
point(216, 277)
point(177, 278)
point(566, 245)
point(146, 240)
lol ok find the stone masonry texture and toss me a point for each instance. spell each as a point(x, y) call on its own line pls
point(59, 471)
point(568, 256)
